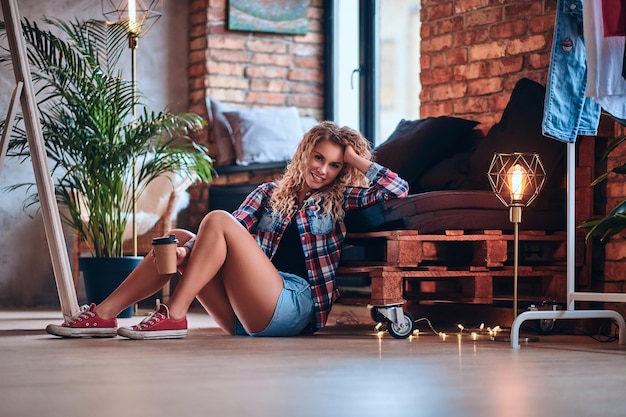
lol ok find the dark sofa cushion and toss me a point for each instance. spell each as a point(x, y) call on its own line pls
point(437, 211)
point(417, 145)
point(519, 130)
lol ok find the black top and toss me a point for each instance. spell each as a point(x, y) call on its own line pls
point(289, 256)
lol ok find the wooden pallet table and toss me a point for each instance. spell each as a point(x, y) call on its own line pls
point(403, 265)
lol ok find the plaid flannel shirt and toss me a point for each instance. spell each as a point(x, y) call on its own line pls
point(321, 235)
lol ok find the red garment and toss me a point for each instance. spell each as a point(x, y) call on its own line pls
point(614, 17)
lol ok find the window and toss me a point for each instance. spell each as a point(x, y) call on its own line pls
point(374, 68)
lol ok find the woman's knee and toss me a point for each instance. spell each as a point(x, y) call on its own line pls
point(216, 218)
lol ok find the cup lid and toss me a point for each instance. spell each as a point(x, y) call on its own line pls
point(165, 240)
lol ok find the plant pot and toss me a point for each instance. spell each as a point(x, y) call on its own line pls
point(103, 275)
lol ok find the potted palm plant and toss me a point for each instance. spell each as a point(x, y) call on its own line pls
point(102, 154)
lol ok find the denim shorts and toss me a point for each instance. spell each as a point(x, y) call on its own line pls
point(294, 310)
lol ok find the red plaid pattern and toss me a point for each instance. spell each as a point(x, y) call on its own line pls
point(321, 237)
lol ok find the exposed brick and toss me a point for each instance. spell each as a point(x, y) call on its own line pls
point(226, 68)
point(471, 37)
point(197, 18)
point(443, 75)
point(307, 88)
point(469, 5)
point(523, 8)
point(265, 71)
point(308, 62)
point(447, 26)
point(305, 50)
point(437, 43)
point(228, 81)
point(268, 98)
point(198, 44)
point(441, 9)
point(448, 91)
point(299, 100)
point(226, 42)
point(614, 271)
point(271, 59)
point(483, 17)
point(439, 60)
point(266, 46)
point(523, 45)
point(196, 70)
point(509, 30)
point(197, 57)
point(228, 55)
point(471, 105)
point(541, 24)
point(539, 61)
point(304, 75)
point(471, 71)
point(615, 250)
point(273, 85)
point(457, 56)
point(614, 188)
point(483, 87)
point(506, 65)
point(432, 109)
point(491, 50)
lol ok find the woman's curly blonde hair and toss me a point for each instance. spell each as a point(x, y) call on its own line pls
point(293, 178)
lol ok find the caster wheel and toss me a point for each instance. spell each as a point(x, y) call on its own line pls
point(404, 330)
point(545, 326)
point(377, 316)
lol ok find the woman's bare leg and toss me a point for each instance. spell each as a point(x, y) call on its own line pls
point(225, 248)
point(140, 284)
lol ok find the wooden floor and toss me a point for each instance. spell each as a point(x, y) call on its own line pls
point(345, 370)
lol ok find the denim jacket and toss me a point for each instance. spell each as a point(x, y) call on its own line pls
point(567, 111)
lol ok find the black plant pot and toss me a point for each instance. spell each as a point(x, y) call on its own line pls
point(103, 275)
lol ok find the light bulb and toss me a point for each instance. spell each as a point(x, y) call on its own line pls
point(132, 16)
point(517, 182)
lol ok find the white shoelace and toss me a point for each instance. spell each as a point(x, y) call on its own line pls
point(154, 317)
point(83, 314)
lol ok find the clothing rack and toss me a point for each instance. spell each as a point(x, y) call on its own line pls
point(572, 295)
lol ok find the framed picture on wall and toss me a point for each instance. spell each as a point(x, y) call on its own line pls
point(273, 16)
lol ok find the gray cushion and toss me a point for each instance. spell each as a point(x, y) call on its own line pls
point(265, 135)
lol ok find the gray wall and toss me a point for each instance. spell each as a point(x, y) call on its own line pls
point(26, 276)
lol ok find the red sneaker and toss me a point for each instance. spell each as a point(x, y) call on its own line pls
point(157, 325)
point(86, 323)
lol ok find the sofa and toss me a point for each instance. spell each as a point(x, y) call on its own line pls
point(446, 160)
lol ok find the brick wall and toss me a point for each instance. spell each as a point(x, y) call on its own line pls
point(474, 51)
point(250, 69)
point(472, 54)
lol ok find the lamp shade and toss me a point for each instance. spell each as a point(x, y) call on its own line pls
point(141, 15)
point(516, 178)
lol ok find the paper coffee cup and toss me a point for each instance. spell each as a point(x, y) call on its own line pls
point(165, 253)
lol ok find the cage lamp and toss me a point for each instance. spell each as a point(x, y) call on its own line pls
point(141, 15)
point(516, 179)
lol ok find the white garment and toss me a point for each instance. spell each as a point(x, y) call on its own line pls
point(605, 84)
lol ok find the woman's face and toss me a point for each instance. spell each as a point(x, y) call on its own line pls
point(323, 165)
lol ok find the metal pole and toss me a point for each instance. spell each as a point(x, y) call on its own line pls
point(516, 218)
point(132, 43)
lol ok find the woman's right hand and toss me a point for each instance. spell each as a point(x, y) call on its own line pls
point(181, 254)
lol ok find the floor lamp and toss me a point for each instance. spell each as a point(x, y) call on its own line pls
point(516, 179)
point(140, 16)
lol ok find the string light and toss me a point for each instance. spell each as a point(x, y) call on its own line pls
point(473, 333)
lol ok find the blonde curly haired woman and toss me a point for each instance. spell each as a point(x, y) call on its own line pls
point(267, 269)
